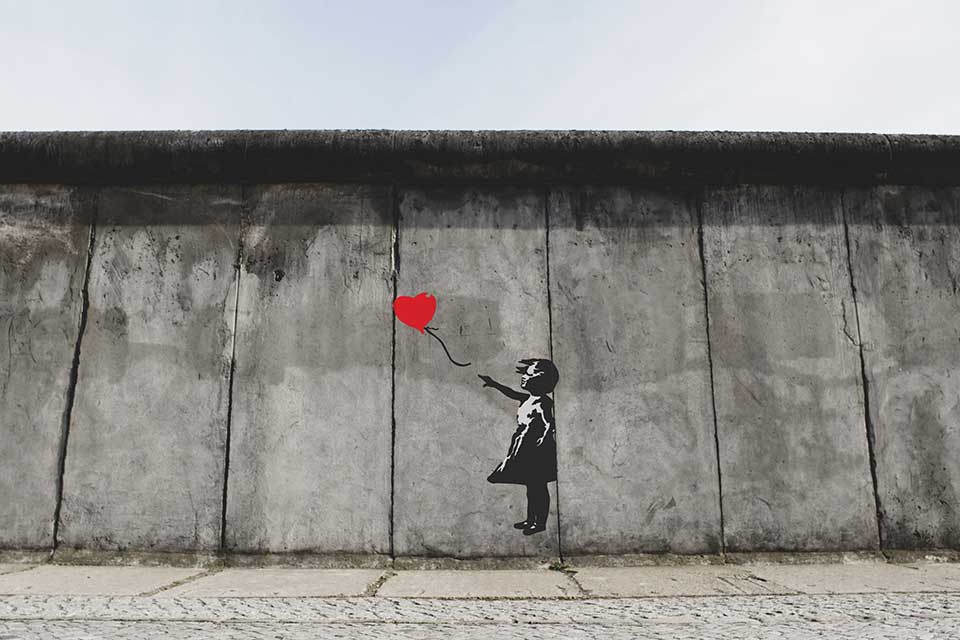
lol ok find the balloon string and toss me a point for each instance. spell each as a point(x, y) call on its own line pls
point(459, 364)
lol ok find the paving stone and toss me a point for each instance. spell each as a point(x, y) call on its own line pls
point(799, 616)
point(91, 580)
point(852, 578)
point(478, 584)
point(279, 582)
point(668, 581)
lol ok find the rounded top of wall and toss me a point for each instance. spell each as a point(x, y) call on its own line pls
point(524, 157)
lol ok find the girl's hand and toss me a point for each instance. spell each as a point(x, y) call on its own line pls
point(487, 381)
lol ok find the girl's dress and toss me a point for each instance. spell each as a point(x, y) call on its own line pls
point(532, 457)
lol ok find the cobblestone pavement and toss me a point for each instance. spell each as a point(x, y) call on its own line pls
point(891, 615)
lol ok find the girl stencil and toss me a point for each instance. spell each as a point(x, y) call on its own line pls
point(532, 457)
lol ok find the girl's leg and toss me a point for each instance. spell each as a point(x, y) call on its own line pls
point(543, 504)
point(538, 497)
point(529, 518)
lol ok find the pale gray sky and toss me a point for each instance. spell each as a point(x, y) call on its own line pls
point(800, 65)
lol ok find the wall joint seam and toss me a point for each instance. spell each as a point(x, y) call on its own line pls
point(238, 271)
point(94, 204)
point(394, 277)
point(710, 367)
point(871, 431)
point(546, 257)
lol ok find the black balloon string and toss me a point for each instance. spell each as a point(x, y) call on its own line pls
point(431, 330)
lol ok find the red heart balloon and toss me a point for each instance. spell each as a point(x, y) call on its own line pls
point(416, 312)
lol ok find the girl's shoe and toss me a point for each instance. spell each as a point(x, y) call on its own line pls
point(521, 525)
point(534, 527)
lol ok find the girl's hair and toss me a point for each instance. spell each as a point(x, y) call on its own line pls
point(545, 382)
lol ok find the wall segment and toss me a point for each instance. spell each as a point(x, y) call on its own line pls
point(696, 281)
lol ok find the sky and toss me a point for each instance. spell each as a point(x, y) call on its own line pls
point(738, 65)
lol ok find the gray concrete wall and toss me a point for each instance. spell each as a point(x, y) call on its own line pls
point(482, 253)
point(905, 245)
point(44, 234)
point(637, 457)
point(144, 463)
point(311, 433)
point(755, 333)
point(793, 449)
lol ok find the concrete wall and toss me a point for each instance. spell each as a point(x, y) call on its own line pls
point(44, 238)
point(310, 439)
point(905, 245)
point(145, 455)
point(482, 253)
point(756, 340)
point(638, 466)
point(790, 420)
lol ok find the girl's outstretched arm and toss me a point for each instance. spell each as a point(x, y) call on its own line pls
point(507, 391)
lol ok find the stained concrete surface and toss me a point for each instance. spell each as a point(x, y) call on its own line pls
point(482, 254)
point(790, 417)
point(647, 582)
point(538, 583)
point(636, 440)
point(905, 247)
point(13, 568)
point(104, 581)
point(311, 436)
point(279, 583)
point(44, 235)
point(856, 578)
point(144, 464)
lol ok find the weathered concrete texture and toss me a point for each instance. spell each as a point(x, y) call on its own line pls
point(646, 582)
point(107, 581)
point(482, 254)
point(44, 234)
point(793, 446)
point(854, 578)
point(540, 583)
point(144, 466)
point(310, 441)
point(14, 568)
point(905, 247)
point(277, 583)
point(636, 443)
point(590, 157)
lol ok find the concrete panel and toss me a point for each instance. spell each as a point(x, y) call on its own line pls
point(651, 582)
point(793, 447)
point(100, 581)
point(44, 233)
point(279, 583)
point(310, 441)
point(482, 254)
point(849, 578)
point(144, 466)
point(905, 244)
point(479, 584)
point(638, 459)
